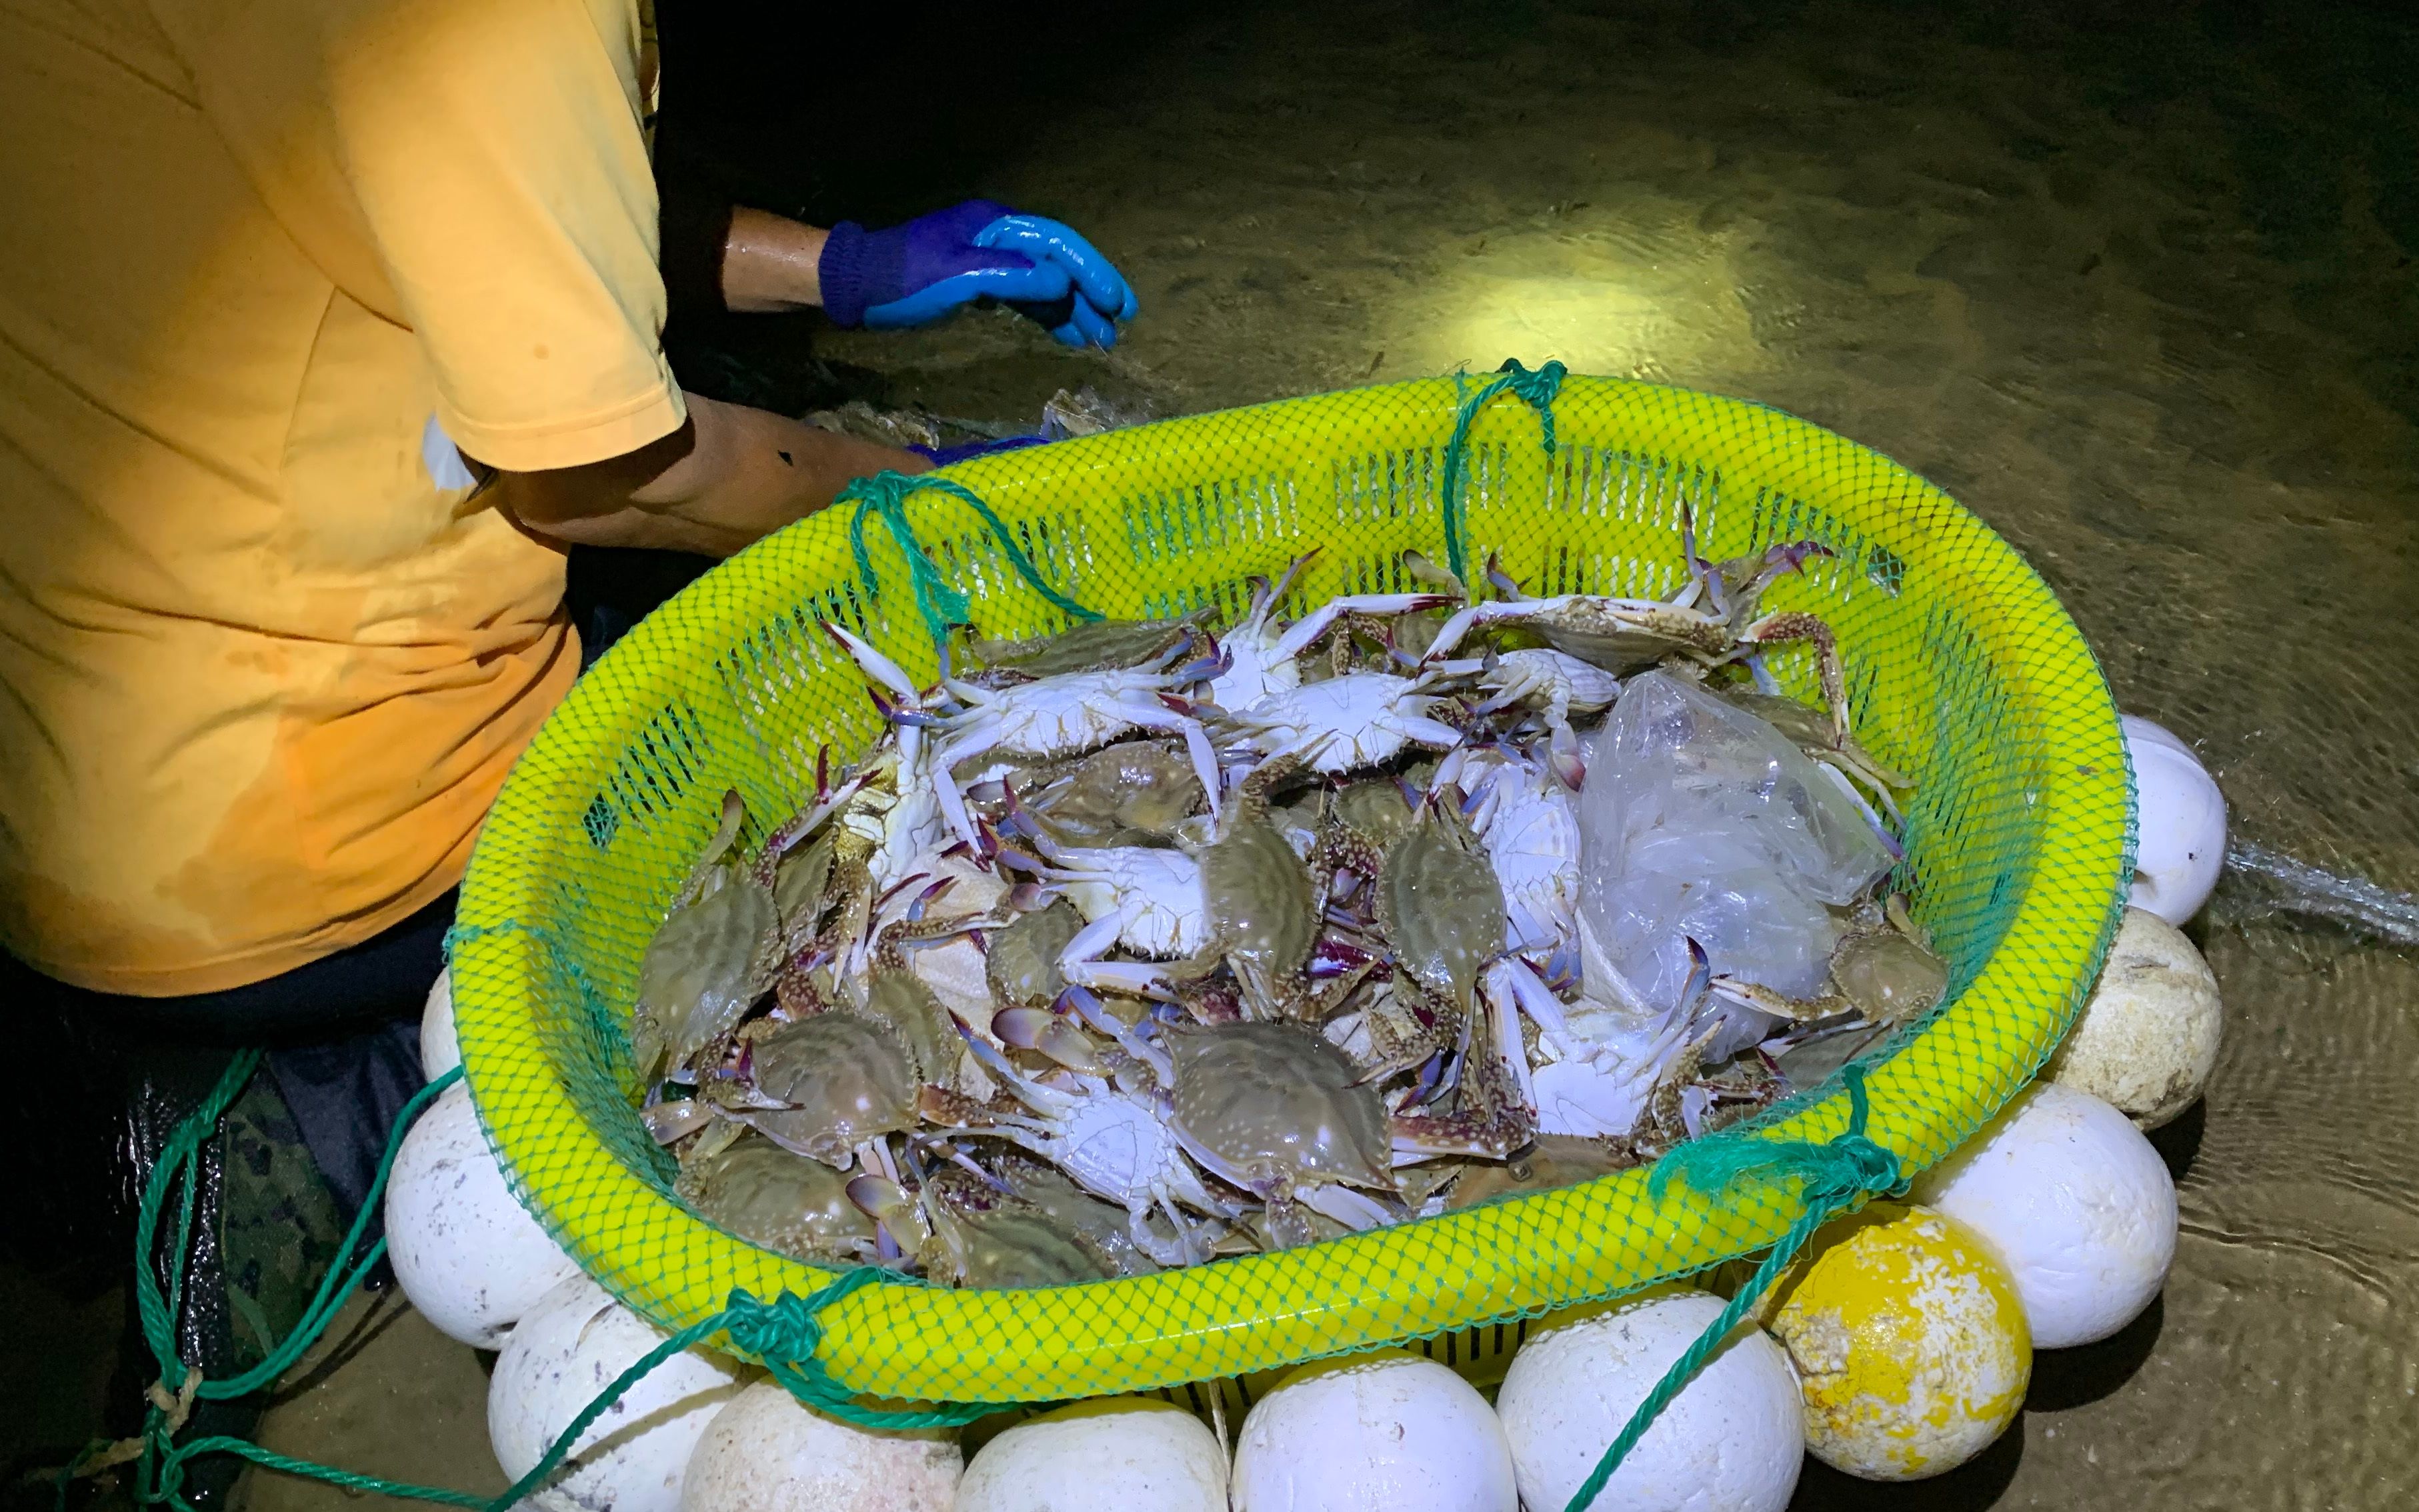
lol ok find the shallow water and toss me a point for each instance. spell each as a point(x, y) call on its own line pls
point(2134, 283)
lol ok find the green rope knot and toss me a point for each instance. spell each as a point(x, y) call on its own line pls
point(785, 1333)
point(1834, 1172)
point(1831, 1175)
point(939, 601)
point(1538, 391)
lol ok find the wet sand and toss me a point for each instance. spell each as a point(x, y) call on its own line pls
point(2139, 291)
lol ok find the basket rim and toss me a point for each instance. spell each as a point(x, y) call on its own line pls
point(559, 1169)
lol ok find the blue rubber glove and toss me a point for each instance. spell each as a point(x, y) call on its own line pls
point(941, 457)
point(915, 273)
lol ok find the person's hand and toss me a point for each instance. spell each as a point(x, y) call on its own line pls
point(915, 273)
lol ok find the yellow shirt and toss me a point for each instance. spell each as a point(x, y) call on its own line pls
point(260, 676)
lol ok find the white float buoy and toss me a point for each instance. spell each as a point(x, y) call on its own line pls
point(1117, 1453)
point(2180, 823)
point(465, 1251)
point(1382, 1432)
point(765, 1452)
point(2148, 1041)
point(633, 1459)
point(440, 1051)
point(1733, 1441)
point(2077, 1204)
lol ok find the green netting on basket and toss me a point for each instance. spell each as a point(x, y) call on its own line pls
point(1963, 671)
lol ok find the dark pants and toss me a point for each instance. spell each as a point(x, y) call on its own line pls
point(109, 1079)
point(104, 1079)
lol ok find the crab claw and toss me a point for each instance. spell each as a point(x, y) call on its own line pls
point(1017, 822)
point(1017, 861)
point(898, 713)
point(879, 1199)
point(876, 665)
point(1562, 756)
point(1420, 568)
point(1694, 986)
point(1503, 582)
point(1022, 1027)
point(927, 898)
point(1067, 1044)
point(1204, 669)
point(1084, 1005)
point(1293, 569)
point(1031, 897)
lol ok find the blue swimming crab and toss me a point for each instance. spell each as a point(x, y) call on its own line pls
point(783, 1201)
point(721, 945)
point(972, 1231)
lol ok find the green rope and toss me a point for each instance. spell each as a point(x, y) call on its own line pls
point(1831, 1176)
point(942, 605)
point(786, 1333)
point(1537, 390)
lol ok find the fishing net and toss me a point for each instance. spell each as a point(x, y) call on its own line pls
point(1963, 671)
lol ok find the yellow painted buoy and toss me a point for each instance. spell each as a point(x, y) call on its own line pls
point(1911, 1348)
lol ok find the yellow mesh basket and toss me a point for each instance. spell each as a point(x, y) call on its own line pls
point(1963, 671)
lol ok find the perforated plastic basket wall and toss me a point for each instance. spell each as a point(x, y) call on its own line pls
point(1963, 671)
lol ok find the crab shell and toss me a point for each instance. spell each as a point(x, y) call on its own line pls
point(1088, 646)
point(1056, 716)
point(769, 1197)
point(1890, 978)
point(1441, 905)
point(704, 966)
point(1117, 1146)
point(1021, 960)
point(845, 1079)
point(1274, 1106)
point(1261, 904)
point(982, 1237)
point(1135, 786)
point(1104, 1226)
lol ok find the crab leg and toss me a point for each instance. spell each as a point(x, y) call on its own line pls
point(1765, 1000)
point(1356, 1211)
point(1096, 1013)
point(877, 666)
point(1507, 1021)
point(1080, 962)
point(1306, 630)
point(1795, 624)
point(1465, 620)
point(1268, 595)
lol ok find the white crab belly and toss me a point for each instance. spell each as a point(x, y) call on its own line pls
point(1157, 892)
point(1342, 723)
point(1559, 677)
point(1251, 678)
point(1061, 716)
point(1162, 898)
point(1115, 1146)
point(1588, 1099)
point(1535, 843)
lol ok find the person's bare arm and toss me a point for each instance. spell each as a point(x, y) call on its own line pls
point(771, 265)
point(727, 476)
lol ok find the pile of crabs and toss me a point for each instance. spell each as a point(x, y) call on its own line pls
point(1152, 943)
